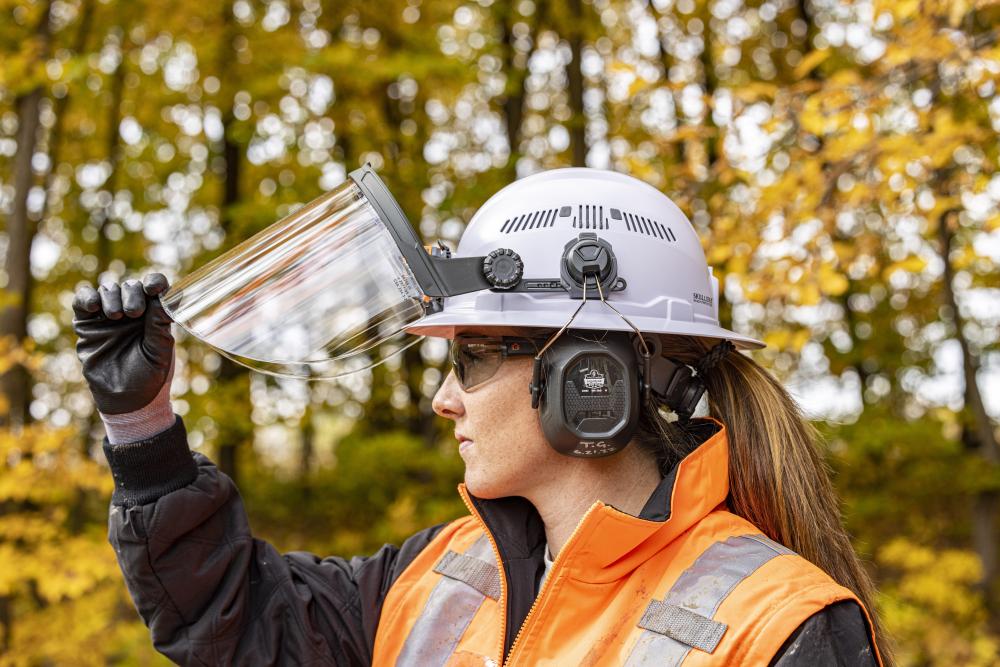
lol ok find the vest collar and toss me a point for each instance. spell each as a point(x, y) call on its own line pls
point(608, 544)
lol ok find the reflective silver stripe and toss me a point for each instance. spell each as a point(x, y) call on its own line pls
point(683, 625)
point(699, 591)
point(447, 614)
point(482, 576)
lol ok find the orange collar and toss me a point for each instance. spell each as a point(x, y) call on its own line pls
point(608, 544)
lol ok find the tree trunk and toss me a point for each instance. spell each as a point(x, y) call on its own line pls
point(851, 322)
point(20, 230)
point(229, 371)
point(15, 383)
point(113, 150)
point(307, 454)
point(710, 83)
point(516, 71)
point(54, 144)
point(806, 14)
point(985, 532)
point(61, 104)
point(574, 75)
point(666, 62)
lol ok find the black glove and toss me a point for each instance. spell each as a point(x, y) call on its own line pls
point(124, 342)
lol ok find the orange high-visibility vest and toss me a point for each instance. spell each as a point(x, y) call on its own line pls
point(704, 587)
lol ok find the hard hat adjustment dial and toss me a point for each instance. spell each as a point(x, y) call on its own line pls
point(503, 268)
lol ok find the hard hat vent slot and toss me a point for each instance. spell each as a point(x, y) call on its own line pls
point(533, 220)
point(643, 225)
point(588, 216)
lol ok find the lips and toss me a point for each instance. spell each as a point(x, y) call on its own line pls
point(463, 441)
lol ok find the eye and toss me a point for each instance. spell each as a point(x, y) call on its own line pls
point(479, 350)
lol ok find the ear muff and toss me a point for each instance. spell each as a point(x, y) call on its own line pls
point(588, 394)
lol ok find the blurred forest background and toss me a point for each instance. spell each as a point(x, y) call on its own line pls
point(839, 159)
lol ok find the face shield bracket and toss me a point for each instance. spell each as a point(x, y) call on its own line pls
point(438, 275)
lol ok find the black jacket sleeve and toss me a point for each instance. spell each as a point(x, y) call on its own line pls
point(837, 636)
point(210, 593)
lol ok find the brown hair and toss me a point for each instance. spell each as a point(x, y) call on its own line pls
point(778, 478)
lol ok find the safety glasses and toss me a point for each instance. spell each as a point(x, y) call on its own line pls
point(476, 358)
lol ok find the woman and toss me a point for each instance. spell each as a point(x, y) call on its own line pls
point(606, 525)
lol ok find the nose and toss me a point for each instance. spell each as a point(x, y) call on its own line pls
point(447, 401)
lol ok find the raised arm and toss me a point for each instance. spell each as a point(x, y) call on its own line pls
point(209, 592)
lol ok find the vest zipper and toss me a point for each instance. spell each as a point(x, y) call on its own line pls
point(503, 575)
point(545, 586)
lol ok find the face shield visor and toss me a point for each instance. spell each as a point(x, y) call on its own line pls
point(323, 292)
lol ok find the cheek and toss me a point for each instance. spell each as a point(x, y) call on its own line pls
point(507, 406)
point(510, 453)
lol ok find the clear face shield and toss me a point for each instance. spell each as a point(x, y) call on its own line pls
point(323, 292)
point(330, 289)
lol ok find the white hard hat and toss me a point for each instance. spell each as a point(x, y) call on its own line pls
point(664, 284)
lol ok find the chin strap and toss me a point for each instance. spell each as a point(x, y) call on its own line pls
point(536, 385)
point(647, 356)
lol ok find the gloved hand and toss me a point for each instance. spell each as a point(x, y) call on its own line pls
point(127, 351)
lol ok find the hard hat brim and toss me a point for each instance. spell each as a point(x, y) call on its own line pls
point(447, 324)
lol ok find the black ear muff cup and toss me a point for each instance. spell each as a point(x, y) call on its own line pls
point(590, 403)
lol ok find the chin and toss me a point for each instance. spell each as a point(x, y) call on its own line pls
point(481, 486)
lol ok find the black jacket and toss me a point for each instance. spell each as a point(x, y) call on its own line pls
point(211, 594)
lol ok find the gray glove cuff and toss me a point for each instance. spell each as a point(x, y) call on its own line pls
point(144, 423)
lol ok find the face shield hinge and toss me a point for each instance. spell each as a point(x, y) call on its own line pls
point(439, 250)
point(433, 305)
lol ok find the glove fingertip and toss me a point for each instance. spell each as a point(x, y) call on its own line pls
point(86, 302)
point(155, 284)
point(133, 299)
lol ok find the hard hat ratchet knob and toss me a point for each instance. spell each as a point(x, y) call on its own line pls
point(503, 268)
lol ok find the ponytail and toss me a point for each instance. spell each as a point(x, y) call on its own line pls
point(778, 479)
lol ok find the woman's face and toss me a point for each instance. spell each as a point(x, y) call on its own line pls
point(499, 435)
